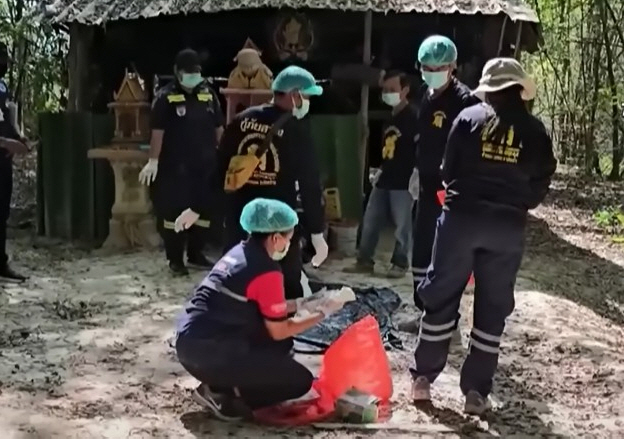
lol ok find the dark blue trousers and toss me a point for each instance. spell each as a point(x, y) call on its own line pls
point(428, 210)
point(488, 242)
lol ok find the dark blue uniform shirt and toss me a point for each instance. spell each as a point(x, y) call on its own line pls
point(512, 169)
point(436, 116)
point(398, 152)
point(244, 288)
point(289, 159)
point(6, 128)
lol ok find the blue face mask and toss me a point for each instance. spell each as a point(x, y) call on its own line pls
point(191, 80)
point(436, 80)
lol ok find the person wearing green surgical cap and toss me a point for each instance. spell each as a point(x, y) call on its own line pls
point(445, 96)
point(235, 334)
point(187, 123)
point(278, 139)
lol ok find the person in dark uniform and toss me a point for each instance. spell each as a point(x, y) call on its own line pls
point(445, 97)
point(187, 123)
point(235, 334)
point(390, 192)
point(289, 159)
point(498, 164)
point(11, 142)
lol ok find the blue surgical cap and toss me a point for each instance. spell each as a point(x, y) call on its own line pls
point(296, 78)
point(437, 51)
point(263, 215)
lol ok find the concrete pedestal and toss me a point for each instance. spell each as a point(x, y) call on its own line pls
point(132, 224)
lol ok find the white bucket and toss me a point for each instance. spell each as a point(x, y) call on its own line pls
point(344, 238)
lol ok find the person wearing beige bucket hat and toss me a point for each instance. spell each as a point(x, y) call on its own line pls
point(497, 165)
point(503, 73)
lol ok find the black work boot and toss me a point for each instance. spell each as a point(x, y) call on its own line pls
point(198, 260)
point(8, 275)
point(178, 269)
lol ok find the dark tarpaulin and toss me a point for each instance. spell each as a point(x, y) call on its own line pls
point(378, 302)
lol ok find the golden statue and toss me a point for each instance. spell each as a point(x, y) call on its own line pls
point(250, 72)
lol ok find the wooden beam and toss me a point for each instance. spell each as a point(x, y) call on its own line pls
point(80, 39)
point(364, 134)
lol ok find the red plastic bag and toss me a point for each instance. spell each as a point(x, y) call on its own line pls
point(441, 196)
point(357, 359)
point(298, 413)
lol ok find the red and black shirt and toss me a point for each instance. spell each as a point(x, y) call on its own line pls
point(245, 288)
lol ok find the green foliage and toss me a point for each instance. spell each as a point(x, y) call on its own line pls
point(611, 219)
point(38, 52)
point(581, 81)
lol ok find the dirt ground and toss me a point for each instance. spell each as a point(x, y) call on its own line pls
point(85, 344)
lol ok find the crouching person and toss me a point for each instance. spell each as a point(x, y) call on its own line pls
point(235, 335)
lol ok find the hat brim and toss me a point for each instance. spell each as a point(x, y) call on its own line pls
point(529, 89)
point(315, 90)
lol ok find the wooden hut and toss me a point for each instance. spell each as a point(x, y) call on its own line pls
point(108, 37)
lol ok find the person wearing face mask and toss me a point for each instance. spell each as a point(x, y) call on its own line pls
point(187, 123)
point(11, 143)
point(498, 164)
point(390, 192)
point(235, 334)
point(443, 99)
point(272, 146)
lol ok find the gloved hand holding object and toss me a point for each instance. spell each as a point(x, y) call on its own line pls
point(328, 306)
point(414, 184)
point(311, 303)
point(373, 175)
point(185, 220)
point(149, 171)
point(321, 249)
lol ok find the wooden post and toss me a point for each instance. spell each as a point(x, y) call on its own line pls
point(80, 38)
point(364, 133)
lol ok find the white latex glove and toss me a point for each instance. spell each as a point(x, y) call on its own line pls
point(344, 295)
point(373, 175)
point(414, 184)
point(329, 306)
point(321, 249)
point(185, 220)
point(148, 173)
point(311, 303)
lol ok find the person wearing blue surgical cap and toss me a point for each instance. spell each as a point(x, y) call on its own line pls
point(289, 160)
point(443, 100)
point(235, 333)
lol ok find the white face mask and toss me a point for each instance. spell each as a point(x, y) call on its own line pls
point(436, 80)
point(300, 112)
point(392, 99)
point(279, 255)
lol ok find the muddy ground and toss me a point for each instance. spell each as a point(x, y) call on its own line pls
point(85, 343)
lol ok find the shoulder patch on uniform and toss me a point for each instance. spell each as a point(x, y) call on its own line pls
point(3, 87)
point(175, 98)
point(204, 97)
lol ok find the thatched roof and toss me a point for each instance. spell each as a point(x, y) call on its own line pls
point(97, 12)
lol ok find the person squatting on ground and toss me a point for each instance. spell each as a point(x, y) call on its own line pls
point(281, 128)
point(445, 97)
point(11, 143)
point(187, 123)
point(390, 192)
point(235, 335)
point(498, 164)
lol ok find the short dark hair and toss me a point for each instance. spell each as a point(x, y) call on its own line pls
point(403, 79)
point(187, 60)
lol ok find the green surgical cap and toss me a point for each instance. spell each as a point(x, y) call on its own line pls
point(263, 215)
point(296, 78)
point(437, 51)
